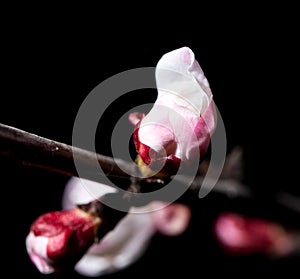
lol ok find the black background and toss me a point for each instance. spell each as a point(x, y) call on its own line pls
point(51, 63)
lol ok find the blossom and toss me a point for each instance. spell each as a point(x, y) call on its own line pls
point(66, 238)
point(240, 234)
point(130, 238)
point(60, 238)
point(179, 126)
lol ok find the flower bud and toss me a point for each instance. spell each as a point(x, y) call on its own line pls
point(240, 234)
point(59, 239)
point(179, 126)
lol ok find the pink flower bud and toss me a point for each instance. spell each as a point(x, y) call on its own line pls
point(179, 126)
point(239, 234)
point(60, 238)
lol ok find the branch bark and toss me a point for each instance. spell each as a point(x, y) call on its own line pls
point(35, 151)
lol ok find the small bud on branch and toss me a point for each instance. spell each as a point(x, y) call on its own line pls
point(57, 240)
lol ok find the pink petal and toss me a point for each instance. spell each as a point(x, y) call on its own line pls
point(172, 219)
point(205, 128)
point(245, 235)
point(135, 117)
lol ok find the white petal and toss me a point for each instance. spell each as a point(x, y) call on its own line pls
point(81, 191)
point(183, 96)
point(93, 265)
point(119, 248)
point(37, 250)
point(180, 80)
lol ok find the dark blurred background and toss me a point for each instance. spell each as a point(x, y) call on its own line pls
point(51, 63)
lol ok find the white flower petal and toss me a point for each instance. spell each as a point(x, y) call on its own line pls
point(181, 81)
point(183, 97)
point(92, 265)
point(81, 191)
point(37, 250)
point(120, 247)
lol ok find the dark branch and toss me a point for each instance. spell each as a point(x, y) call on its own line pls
point(35, 151)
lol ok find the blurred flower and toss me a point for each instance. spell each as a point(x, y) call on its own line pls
point(179, 126)
point(131, 237)
point(60, 238)
point(64, 239)
point(239, 234)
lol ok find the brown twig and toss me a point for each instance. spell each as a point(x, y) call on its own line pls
point(35, 151)
point(32, 150)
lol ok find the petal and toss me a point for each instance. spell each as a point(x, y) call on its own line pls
point(36, 247)
point(94, 265)
point(120, 247)
point(244, 235)
point(183, 62)
point(184, 97)
point(204, 130)
point(172, 219)
point(135, 117)
point(81, 191)
point(181, 81)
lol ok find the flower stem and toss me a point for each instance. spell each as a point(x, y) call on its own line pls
point(35, 151)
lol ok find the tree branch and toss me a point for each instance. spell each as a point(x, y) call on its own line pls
point(35, 151)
